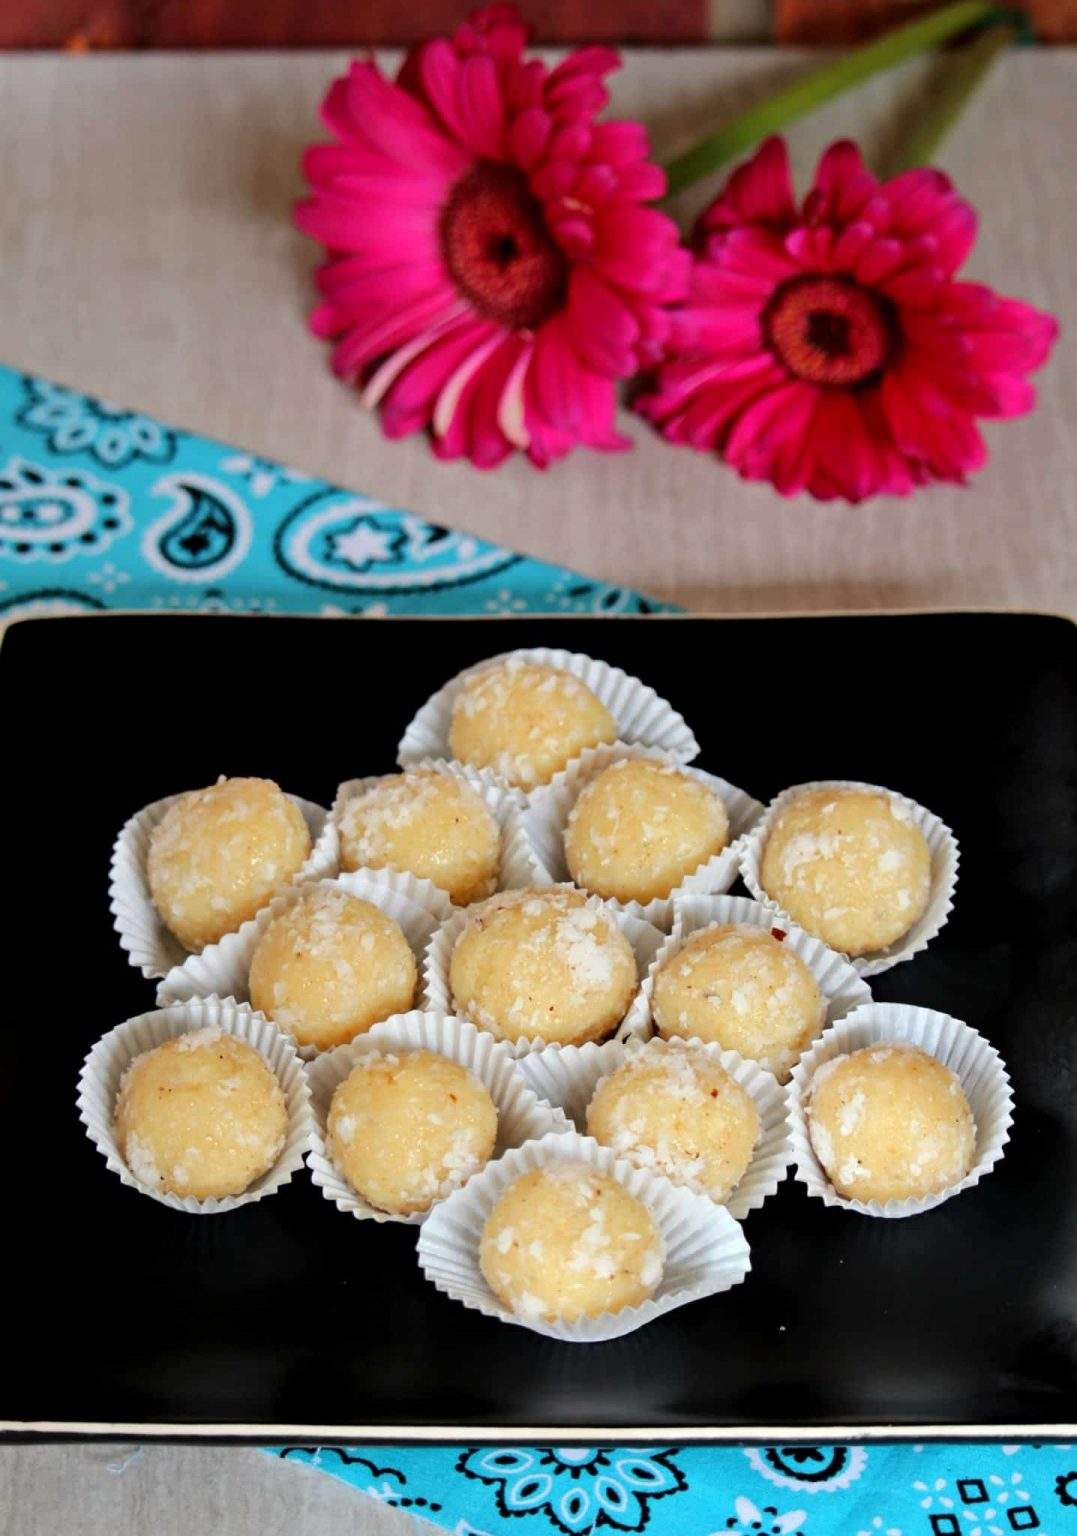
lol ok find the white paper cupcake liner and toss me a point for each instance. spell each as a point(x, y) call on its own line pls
point(958, 1046)
point(148, 943)
point(567, 1076)
point(223, 970)
point(99, 1083)
point(641, 715)
point(705, 1250)
point(521, 1114)
point(518, 866)
point(644, 938)
point(544, 821)
point(944, 860)
point(842, 988)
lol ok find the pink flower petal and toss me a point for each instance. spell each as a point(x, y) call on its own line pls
point(595, 60)
point(618, 143)
point(481, 108)
point(924, 200)
point(511, 409)
point(946, 442)
point(391, 121)
point(409, 400)
point(641, 182)
point(758, 192)
point(474, 429)
point(842, 185)
point(449, 396)
point(528, 136)
point(363, 344)
point(601, 324)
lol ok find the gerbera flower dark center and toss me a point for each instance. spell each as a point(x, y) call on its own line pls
point(830, 331)
point(498, 250)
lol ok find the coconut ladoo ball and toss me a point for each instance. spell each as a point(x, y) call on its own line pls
point(565, 1242)
point(740, 987)
point(681, 1114)
point(849, 866)
point(639, 827)
point(329, 966)
point(219, 854)
point(889, 1122)
point(525, 721)
point(543, 963)
point(428, 824)
point(200, 1115)
point(407, 1126)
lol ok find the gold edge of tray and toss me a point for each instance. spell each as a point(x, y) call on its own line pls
point(912, 611)
point(460, 1433)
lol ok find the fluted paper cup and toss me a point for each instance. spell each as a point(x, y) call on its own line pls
point(705, 1250)
point(223, 970)
point(99, 1083)
point(842, 988)
point(641, 715)
point(517, 866)
point(437, 991)
point(149, 945)
point(567, 1077)
point(941, 843)
point(545, 819)
point(521, 1115)
point(964, 1050)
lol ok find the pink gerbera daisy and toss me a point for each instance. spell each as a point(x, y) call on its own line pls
point(492, 272)
point(830, 348)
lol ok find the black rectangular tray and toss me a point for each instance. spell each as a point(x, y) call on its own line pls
point(287, 1318)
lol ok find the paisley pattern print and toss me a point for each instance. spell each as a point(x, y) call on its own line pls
point(337, 540)
point(205, 533)
point(818, 1468)
point(74, 423)
point(826, 1490)
point(576, 1488)
point(52, 515)
point(222, 530)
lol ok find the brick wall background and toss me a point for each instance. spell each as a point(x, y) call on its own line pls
point(88, 24)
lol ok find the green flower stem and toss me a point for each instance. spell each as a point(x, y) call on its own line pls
point(823, 84)
point(963, 74)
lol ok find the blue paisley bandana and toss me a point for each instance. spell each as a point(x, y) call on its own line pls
point(103, 507)
point(769, 1490)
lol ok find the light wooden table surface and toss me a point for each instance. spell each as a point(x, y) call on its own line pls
point(146, 255)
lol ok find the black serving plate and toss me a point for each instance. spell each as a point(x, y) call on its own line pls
point(289, 1319)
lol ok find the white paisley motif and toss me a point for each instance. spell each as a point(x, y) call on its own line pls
point(854, 1459)
point(55, 514)
point(358, 543)
point(204, 534)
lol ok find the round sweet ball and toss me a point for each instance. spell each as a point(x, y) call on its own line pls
point(201, 1115)
point(544, 963)
point(406, 1127)
point(219, 854)
point(890, 1122)
point(639, 827)
point(425, 823)
point(565, 1242)
point(525, 721)
point(679, 1112)
point(329, 966)
point(849, 866)
point(741, 988)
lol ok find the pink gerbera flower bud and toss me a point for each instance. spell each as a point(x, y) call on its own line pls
point(492, 270)
point(831, 348)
